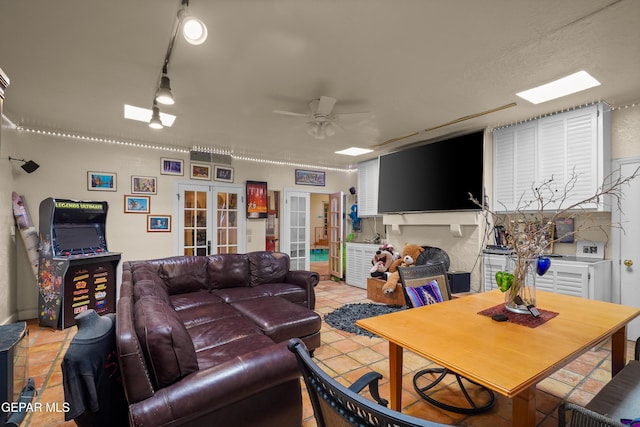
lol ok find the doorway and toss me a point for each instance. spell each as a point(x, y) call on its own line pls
point(319, 245)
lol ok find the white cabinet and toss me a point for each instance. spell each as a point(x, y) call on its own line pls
point(558, 148)
point(582, 277)
point(368, 188)
point(359, 256)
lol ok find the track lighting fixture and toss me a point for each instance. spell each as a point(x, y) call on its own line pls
point(164, 95)
point(29, 166)
point(155, 122)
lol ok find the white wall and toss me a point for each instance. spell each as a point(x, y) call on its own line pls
point(64, 163)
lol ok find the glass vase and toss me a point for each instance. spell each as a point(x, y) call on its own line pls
point(523, 286)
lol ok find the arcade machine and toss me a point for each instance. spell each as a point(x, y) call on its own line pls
point(76, 270)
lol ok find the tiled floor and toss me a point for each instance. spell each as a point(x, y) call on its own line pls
point(346, 356)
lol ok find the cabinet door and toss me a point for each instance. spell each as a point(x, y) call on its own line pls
point(368, 188)
point(491, 264)
point(514, 171)
point(573, 279)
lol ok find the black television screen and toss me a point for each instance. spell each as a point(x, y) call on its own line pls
point(433, 177)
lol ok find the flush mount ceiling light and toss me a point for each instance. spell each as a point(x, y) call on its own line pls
point(354, 151)
point(558, 88)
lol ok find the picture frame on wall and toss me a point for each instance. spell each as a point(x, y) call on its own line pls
point(201, 171)
point(158, 223)
point(171, 166)
point(101, 181)
point(256, 199)
point(222, 173)
point(143, 184)
point(137, 204)
point(307, 177)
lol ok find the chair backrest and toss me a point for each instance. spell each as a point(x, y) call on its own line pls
point(418, 284)
point(334, 405)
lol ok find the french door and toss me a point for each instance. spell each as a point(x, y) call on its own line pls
point(210, 220)
point(335, 234)
point(296, 229)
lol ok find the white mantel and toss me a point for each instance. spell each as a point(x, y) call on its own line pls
point(454, 220)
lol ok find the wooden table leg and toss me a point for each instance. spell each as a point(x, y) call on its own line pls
point(395, 375)
point(618, 350)
point(524, 408)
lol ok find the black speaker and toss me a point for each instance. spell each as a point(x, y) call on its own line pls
point(459, 281)
point(30, 166)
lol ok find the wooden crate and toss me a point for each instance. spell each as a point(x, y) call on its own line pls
point(374, 292)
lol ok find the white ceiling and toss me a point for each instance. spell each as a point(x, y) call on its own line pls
point(413, 64)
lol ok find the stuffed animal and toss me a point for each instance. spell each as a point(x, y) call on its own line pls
point(381, 262)
point(409, 256)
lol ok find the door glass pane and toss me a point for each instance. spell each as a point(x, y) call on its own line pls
point(195, 222)
point(189, 198)
point(188, 218)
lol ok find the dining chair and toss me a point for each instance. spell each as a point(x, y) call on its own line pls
point(582, 417)
point(335, 405)
point(427, 284)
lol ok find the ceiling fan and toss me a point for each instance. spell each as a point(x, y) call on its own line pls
point(323, 122)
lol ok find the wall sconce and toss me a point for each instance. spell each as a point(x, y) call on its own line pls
point(29, 166)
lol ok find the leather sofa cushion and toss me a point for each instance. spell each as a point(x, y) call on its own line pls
point(268, 267)
point(148, 288)
point(228, 271)
point(165, 341)
point(280, 319)
point(184, 274)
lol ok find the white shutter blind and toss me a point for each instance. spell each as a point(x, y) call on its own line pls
point(368, 188)
point(525, 163)
point(503, 163)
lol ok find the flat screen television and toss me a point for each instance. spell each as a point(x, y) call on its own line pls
point(436, 176)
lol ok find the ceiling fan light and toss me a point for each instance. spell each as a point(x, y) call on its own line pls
point(164, 95)
point(329, 129)
point(155, 122)
point(193, 30)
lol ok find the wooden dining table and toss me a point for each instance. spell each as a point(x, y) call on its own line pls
point(506, 357)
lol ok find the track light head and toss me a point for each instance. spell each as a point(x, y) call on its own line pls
point(164, 95)
point(194, 30)
point(29, 166)
point(155, 122)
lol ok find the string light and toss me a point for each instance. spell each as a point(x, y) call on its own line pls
point(564, 110)
point(182, 150)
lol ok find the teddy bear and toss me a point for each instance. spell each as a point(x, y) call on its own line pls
point(409, 256)
point(381, 262)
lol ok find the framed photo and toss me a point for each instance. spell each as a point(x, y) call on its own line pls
point(200, 171)
point(171, 166)
point(256, 199)
point(564, 230)
point(588, 249)
point(222, 173)
point(159, 223)
point(143, 184)
point(137, 204)
point(101, 181)
point(305, 177)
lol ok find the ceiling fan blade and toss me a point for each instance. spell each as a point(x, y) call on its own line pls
point(325, 105)
point(289, 113)
point(352, 115)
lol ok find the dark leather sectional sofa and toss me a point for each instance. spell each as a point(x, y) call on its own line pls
point(202, 340)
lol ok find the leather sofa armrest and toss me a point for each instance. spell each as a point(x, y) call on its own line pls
point(209, 390)
point(306, 280)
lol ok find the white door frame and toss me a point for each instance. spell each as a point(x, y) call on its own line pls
point(285, 245)
point(617, 237)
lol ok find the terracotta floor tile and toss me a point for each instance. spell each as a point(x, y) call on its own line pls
point(345, 357)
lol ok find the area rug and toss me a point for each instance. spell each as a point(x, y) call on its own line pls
point(344, 318)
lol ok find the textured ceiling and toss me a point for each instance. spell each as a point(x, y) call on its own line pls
point(413, 65)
